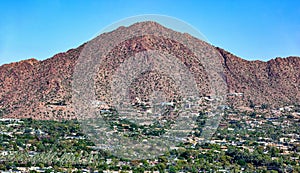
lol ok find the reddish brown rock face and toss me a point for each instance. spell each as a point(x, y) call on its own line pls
point(34, 88)
point(42, 89)
point(276, 82)
point(151, 80)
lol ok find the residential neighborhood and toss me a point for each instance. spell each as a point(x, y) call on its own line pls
point(258, 139)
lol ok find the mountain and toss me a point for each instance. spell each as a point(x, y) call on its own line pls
point(43, 89)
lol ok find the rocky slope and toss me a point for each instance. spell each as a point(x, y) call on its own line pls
point(42, 89)
point(275, 82)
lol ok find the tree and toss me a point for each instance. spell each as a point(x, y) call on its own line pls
point(251, 104)
point(264, 106)
point(274, 151)
point(161, 167)
point(172, 169)
point(2, 167)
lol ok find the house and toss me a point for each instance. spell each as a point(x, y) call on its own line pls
point(105, 111)
point(224, 148)
point(167, 103)
point(4, 153)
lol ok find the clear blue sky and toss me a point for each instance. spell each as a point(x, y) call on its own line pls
point(253, 29)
